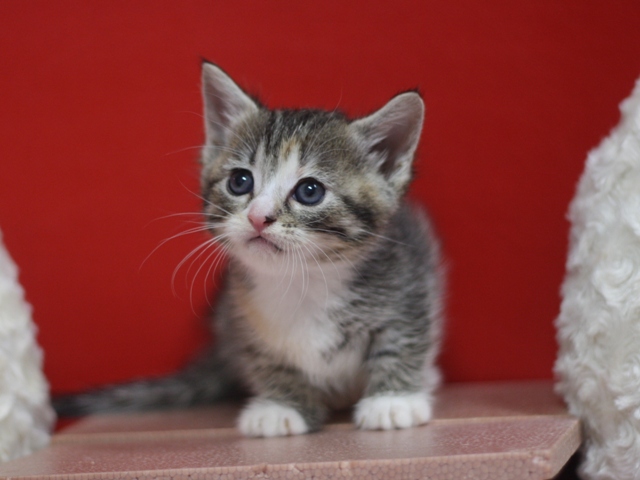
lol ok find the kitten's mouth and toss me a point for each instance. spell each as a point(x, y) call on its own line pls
point(262, 243)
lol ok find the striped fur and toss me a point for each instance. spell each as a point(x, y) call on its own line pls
point(325, 304)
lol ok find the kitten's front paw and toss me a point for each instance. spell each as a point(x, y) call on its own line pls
point(267, 418)
point(385, 412)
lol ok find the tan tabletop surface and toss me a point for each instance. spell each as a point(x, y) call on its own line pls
point(485, 430)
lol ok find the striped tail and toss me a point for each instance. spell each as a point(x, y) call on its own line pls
point(205, 381)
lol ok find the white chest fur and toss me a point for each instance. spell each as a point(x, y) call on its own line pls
point(295, 326)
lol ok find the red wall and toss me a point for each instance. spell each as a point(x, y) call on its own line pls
point(100, 117)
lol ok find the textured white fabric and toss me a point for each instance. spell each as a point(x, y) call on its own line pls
point(599, 324)
point(26, 417)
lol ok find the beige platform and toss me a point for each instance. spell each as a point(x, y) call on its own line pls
point(480, 431)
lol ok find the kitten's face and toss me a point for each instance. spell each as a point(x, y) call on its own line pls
point(297, 186)
point(293, 184)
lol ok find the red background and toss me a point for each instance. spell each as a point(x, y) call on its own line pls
point(100, 114)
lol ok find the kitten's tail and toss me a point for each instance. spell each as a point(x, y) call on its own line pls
point(204, 381)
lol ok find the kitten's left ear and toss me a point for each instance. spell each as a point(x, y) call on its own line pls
point(391, 136)
point(224, 104)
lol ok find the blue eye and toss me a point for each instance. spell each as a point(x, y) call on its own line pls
point(240, 182)
point(309, 192)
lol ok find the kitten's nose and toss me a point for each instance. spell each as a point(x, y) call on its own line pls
point(260, 222)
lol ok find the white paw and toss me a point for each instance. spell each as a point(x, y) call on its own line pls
point(386, 412)
point(266, 418)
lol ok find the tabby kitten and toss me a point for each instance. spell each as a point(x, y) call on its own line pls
point(332, 294)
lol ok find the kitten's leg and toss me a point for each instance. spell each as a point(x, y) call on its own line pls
point(286, 405)
point(397, 395)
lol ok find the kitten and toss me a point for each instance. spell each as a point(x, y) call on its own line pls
point(333, 289)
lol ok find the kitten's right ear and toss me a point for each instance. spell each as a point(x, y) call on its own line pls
point(225, 104)
point(391, 136)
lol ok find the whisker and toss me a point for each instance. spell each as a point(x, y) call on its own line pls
point(216, 250)
point(282, 276)
point(331, 232)
point(205, 147)
point(222, 253)
point(339, 100)
point(200, 248)
point(326, 285)
point(235, 151)
point(214, 241)
point(337, 254)
point(203, 247)
point(219, 208)
point(203, 228)
point(180, 150)
point(293, 268)
point(302, 273)
point(206, 201)
point(368, 232)
point(387, 238)
point(182, 214)
point(328, 257)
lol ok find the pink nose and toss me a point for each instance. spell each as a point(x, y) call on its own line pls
point(260, 222)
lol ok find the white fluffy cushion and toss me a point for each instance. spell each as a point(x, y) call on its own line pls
point(25, 414)
point(599, 324)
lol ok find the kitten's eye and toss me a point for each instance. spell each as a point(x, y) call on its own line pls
point(309, 192)
point(240, 182)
